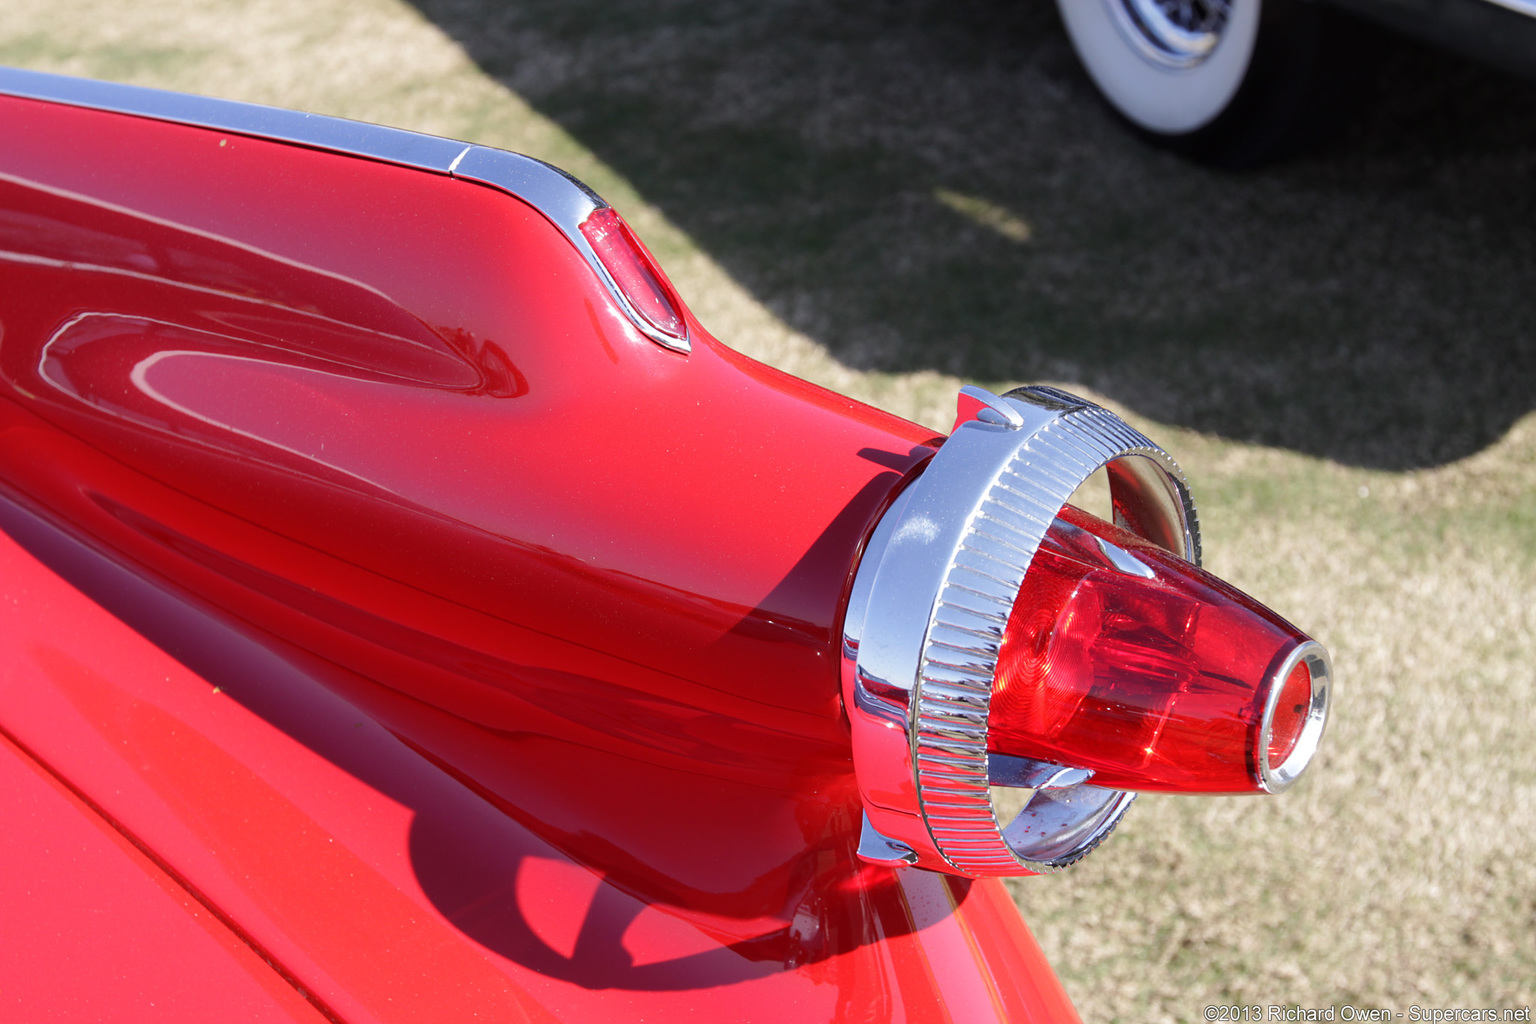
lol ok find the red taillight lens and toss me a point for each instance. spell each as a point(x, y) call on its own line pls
point(634, 270)
point(1290, 716)
point(1124, 658)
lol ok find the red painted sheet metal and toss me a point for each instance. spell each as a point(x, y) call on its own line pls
point(380, 352)
point(393, 893)
point(517, 531)
point(447, 428)
point(92, 929)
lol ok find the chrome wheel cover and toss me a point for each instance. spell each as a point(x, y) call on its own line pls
point(1174, 33)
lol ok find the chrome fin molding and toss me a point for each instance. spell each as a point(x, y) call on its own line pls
point(564, 201)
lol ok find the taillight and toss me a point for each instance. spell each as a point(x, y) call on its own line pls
point(1123, 658)
point(639, 280)
point(998, 638)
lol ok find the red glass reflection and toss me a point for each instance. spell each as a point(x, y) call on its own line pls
point(1124, 658)
point(1290, 714)
point(634, 270)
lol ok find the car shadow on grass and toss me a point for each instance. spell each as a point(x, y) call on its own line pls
point(934, 185)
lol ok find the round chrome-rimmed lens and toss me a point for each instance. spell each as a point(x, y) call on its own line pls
point(1313, 657)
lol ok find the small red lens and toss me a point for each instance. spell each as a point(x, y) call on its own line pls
point(1292, 709)
point(1122, 657)
point(635, 271)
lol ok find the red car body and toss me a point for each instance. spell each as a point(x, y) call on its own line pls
point(408, 612)
point(374, 648)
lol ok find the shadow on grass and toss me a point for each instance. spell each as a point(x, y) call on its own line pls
point(932, 184)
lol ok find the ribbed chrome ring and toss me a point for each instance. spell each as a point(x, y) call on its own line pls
point(951, 701)
point(965, 633)
point(926, 618)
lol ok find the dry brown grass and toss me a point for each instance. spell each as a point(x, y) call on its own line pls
point(1401, 871)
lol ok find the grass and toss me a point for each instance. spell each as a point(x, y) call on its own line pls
point(893, 199)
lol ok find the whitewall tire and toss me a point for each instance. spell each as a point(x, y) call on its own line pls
point(1229, 82)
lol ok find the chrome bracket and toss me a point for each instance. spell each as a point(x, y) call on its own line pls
point(878, 849)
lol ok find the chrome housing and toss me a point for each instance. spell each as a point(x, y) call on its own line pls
point(925, 623)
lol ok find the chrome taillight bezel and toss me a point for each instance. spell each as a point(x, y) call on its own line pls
point(925, 623)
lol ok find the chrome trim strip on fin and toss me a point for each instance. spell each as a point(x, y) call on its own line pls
point(564, 201)
point(338, 135)
point(549, 190)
